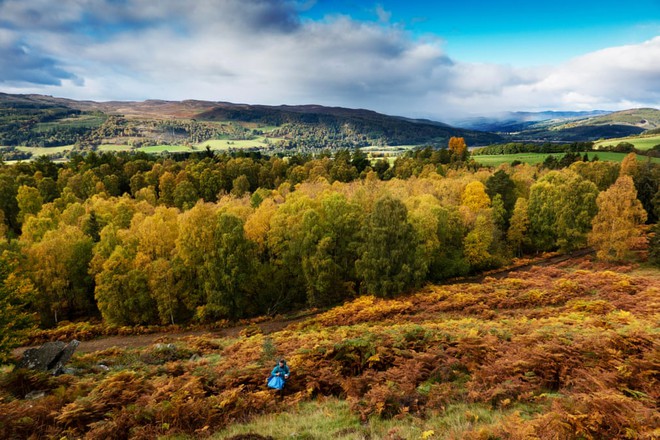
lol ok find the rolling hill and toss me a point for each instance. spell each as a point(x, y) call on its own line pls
point(569, 126)
point(520, 121)
point(45, 121)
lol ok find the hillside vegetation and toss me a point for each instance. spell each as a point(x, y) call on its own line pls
point(611, 125)
point(43, 121)
point(643, 118)
point(133, 241)
point(642, 142)
point(559, 352)
point(145, 241)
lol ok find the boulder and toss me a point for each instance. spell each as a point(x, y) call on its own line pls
point(58, 367)
point(40, 358)
point(34, 395)
point(51, 357)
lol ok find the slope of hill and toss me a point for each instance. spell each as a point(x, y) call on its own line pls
point(554, 352)
point(641, 118)
point(35, 120)
point(318, 125)
point(569, 126)
point(519, 121)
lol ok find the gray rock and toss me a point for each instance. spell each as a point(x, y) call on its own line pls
point(58, 367)
point(51, 357)
point(34, 395)
point(40, 358)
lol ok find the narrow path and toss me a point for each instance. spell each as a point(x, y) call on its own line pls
point(137, 341)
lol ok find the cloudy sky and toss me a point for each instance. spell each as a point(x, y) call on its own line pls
point(439, 59)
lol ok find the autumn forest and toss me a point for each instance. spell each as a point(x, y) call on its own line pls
point(131, 241)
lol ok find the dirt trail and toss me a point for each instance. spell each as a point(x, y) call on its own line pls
point(136, 341)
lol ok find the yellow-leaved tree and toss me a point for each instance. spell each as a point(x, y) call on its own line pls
point(615, 229)
point(475, 197)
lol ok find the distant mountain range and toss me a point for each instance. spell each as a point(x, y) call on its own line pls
point(568, 126)
point(519, 121)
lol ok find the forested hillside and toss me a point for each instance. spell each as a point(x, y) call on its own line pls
point(570, 127)
point(43, 121)
point(564, 352)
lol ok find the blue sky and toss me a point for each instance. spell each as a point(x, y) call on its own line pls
point(515, 32)
point(443, 60)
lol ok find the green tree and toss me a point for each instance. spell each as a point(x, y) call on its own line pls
point(330, 243)
point(287, 245)
point(517, 233)
point(561, 207)
point(603, 174)
point(8, 203)
point(193, 244)
point(122, 291)
point(654, 245)
point(59, 269)
point(185, 195)
point(390, 261)
point(500, 183)
point(647, 184)
point(166, 187)
point(478, 243)
point(240, 186)
point(441, 232)
point(48, 189)
point(14, 320)
point(29, 202)
point(229, 269)
point(360, 160)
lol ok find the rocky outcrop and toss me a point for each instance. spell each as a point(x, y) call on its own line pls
point(51, 357)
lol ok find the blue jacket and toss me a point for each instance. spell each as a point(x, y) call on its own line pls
point(284, 371)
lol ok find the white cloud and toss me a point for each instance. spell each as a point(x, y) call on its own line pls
point(261, 51)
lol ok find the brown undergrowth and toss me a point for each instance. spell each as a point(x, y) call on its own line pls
point(577, 344)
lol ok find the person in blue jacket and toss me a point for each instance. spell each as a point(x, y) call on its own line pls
point(279, 375)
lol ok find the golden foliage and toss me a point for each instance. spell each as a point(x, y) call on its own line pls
point(577, 345)
point(615, 227)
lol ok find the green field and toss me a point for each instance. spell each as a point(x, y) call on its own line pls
point(215, 144)
point(535, 158)
point(114, 148)
point(164, 148)
point(641, 143)
point(45, 151)
point(225, 144)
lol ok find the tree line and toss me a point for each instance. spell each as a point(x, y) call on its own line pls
point(144, 240)
point(568, 148)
